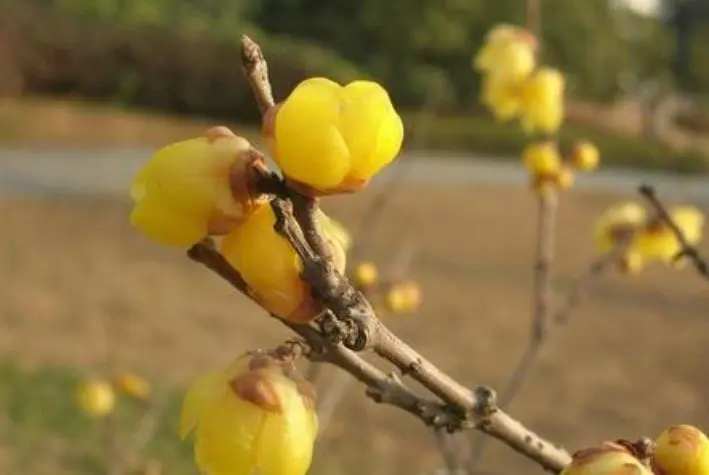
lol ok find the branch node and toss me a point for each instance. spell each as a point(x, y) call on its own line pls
point(486, 404)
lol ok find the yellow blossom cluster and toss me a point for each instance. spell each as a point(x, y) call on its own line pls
point(255, 414)
point(678, 450)
point(327, 139)
point(514, 86)
point(646, 237)
point(549, 167)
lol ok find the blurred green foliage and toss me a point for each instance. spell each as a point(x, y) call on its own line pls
point(417, 48)
point(182, 56)
point(507, 140)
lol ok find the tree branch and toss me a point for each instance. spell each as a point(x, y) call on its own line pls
point(459, 407)
point(686, 249)
point(535, 345)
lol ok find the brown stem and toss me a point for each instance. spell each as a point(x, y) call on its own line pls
point(460, 408)
point(686, 249)
point(531, 354)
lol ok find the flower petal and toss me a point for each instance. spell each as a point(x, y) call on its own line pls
point(285, 444)
point(310, 147)
point(226, 436)
point(206, 390)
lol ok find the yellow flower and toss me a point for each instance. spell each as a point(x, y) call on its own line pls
point(658, 242)
point(564, 178)
point(253, 415)
point(96, 398)
point(607, 459)
point(542, 158)
point(365, 274)
point(682, 450)
point(271, 267)
point(616, 222)
point(132, 385)
point(502, 98)
point(543, 101)
point(404, 297)
point(508, 53)
point(329, 138)
point(194, 188)
point(585, 156)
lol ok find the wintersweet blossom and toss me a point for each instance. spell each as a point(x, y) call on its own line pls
point(255, 415)
point(543, 101)
point(606, 459)
point(271, 267)
point(681, 450)
point(194, 188)
point(330, 138)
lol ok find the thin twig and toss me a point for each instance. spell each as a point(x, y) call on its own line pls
point(686, 249)
point(561, 316)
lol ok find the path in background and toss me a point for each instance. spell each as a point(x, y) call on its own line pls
point(109, 171)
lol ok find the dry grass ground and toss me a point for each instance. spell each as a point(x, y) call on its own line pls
point(76, 281)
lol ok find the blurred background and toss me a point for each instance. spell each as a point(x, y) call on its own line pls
point(89, 88)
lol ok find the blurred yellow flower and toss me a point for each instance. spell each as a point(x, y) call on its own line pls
point(508, 53)
point(403, 297)
point(253, 415)
point(606, 459)
point(543, 101)
point(132, 385)
point(658, 242)
point(331, 138)
point(618, 223)
point(271, 267)
point(96, 398)
point(682, 450)
point(585, 155)
point(190, 189)
point(503, 98)
point(564, 178)
point(365, 274)
point(542, 158)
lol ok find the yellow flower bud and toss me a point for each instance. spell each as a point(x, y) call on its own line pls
point(542, 158)
point(329, 138)
point(251, 417)
point(617, 222)
point(365, 274)
point(681, 450)
point(271, 268)
point(585, 156)
point(412, 294)
point(132, 385)
point(508, 53)
point(194, 188)
point(607, 459)
point(564, 178)
point(543, 101)
point(658, 242)
point(503, 98)
point(96, 398)
point(404, 297)
point(395, 300)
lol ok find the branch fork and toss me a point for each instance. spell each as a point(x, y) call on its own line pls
point(349, 325)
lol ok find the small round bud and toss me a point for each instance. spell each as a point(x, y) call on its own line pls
point(585, 156)
point(96, 398)
point(365, 274)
